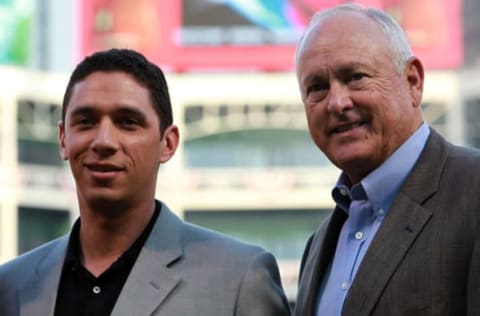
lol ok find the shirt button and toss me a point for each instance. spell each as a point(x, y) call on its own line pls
point(343, 192)
point(96, 289)
point(358, 235)
point(381, 212)
point(345, 285)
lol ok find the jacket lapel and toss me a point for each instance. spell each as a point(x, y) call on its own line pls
point(151, 280)
point(387, 250)
point(404, 222)
point(38, 296)
point(319, 253)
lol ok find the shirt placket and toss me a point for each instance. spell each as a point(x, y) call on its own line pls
point(358, 231)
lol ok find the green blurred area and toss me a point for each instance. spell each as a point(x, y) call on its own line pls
point(16, 21)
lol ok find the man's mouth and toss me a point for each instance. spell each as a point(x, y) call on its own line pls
point(345, 127)
point(100, 167)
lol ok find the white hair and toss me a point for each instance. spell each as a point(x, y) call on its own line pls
point(391, 29)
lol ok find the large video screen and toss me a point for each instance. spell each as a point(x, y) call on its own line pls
point(243, 23)
point(186, 35)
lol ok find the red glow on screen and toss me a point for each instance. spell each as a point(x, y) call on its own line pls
point(157, 30)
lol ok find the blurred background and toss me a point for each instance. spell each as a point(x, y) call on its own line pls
point(246, 165)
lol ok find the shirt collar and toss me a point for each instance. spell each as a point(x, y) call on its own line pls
point(382, 185)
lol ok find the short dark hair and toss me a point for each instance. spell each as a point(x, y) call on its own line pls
point(130, 62)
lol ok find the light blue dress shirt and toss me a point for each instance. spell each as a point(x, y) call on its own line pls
point(366, 204)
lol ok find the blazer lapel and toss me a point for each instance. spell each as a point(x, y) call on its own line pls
point(38, 296)
point(387, 250)
point(151, 280)
point(404, 222)
point(320, 252)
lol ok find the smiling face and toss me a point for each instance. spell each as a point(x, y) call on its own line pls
point(359, 107)
point(111, 137)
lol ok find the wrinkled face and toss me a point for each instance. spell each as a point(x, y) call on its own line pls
point(360, 108)
point(111, 138)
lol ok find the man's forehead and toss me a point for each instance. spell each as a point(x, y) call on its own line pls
point(345, 35)
point(345, 24)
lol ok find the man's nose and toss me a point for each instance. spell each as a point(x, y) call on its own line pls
point(339, 99)
point(106, 138)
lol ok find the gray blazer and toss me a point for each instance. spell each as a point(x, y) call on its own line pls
point(182, 270)
point(425, 258)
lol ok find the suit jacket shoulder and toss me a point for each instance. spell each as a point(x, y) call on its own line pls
point(31, 280)
point(181, 270)
point(425, 258)
point(420, 260)
point(184, 269)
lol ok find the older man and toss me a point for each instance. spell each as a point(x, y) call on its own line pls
point(403, 238)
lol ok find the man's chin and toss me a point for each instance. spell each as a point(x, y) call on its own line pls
point(107, 203)
point(355, 166)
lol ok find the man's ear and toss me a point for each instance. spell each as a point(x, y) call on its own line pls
point(414, 73)
point(61, 140)
point(169, 143)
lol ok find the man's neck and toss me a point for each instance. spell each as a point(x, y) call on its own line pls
point(104, 238)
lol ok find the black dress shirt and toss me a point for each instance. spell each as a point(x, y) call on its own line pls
point(80, 292)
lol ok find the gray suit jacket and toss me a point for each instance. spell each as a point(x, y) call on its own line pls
point(182, 270)
point(425, 258)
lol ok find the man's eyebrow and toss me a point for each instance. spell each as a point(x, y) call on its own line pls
point(125, 109)
point(312, 78)
point(82, 110)
point(341, 70)
point(354, 67)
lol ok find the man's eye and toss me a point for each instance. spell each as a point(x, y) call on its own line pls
point(84, 122)
point(317, 87)
point(358, 76)
point(128, 121)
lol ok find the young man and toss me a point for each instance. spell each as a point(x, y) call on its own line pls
point(404, 238)
point(128, 254)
